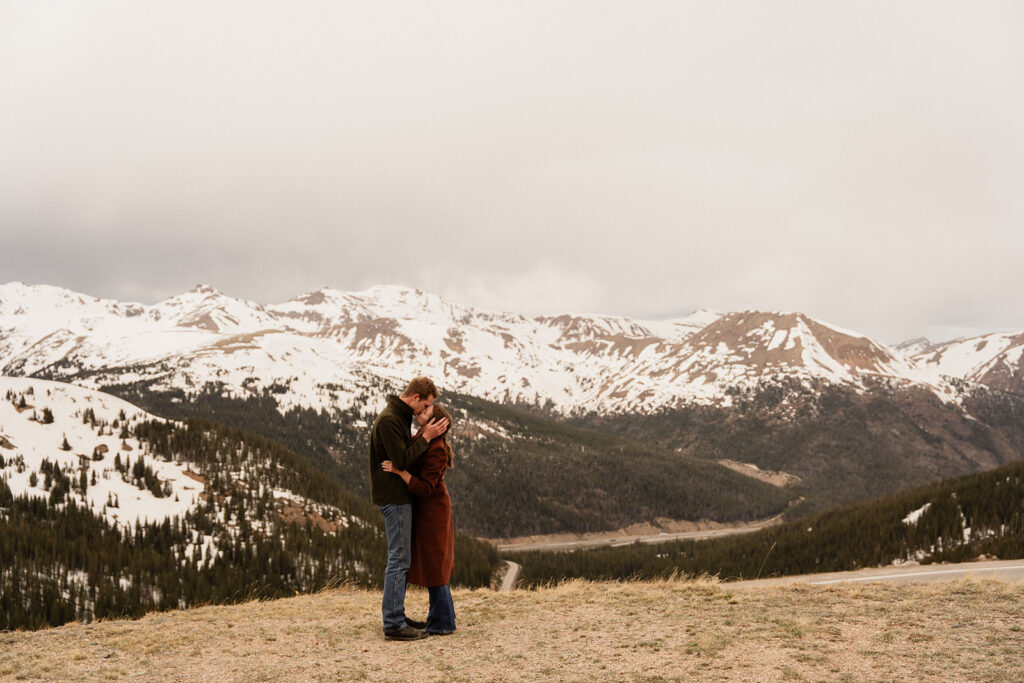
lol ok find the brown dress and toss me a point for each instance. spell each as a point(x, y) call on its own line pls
point(433, 535)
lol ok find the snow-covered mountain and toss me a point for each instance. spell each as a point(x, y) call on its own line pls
point(330, 348)
point(995, 360)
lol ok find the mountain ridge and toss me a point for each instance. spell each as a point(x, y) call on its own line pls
point(333, 348)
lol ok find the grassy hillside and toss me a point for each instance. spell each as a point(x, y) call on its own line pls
point(956, 520)
point(579, 631)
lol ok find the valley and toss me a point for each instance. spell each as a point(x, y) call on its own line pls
point(974, 516)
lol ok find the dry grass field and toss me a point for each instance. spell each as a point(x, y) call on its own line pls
point(668, 630)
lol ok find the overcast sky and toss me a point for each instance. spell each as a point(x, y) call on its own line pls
point(861, 162)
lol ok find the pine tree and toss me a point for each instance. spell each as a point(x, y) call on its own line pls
point(58, 493)
point(47, 416)
point(65, 446)
point(33, 480)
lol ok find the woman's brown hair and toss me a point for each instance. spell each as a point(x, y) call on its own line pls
point(441, 412)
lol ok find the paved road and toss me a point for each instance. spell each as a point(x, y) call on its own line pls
point(1005, 570)
point(508, 584)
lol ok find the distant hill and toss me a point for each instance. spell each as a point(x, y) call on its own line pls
point(843, 445)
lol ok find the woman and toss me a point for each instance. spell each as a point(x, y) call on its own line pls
point(433, 535)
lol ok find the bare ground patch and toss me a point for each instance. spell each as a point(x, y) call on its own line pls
point(666, 630)
point(768, 476)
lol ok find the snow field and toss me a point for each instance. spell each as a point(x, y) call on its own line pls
point(34, 441)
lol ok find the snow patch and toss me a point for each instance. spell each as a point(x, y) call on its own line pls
point(916, 514)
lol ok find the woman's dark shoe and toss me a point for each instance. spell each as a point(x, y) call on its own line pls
point(439, 633)
point(405, 633)
point(414, 623)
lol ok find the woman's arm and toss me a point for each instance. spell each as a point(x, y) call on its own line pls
point(389, 466)
point(435, 462)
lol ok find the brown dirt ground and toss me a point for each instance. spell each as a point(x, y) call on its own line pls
point(577, 631)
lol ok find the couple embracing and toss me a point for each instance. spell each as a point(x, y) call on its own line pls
point(407, 485)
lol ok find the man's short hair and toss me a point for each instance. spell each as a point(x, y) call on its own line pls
point(423, 386)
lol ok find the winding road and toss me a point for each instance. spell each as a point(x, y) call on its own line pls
point(508, 584)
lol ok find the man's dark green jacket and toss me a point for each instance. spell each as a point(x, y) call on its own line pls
point(391, 440)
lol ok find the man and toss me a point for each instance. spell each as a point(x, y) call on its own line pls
point(391, 439)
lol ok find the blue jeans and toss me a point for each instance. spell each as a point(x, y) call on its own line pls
point(441, 616)
point(398, 529)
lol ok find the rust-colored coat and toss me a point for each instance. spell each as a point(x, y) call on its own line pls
point(433, 535)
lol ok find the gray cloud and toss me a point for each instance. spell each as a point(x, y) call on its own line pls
point(860, 162)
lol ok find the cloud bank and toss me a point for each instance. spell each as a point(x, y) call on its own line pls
point(860, 162)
